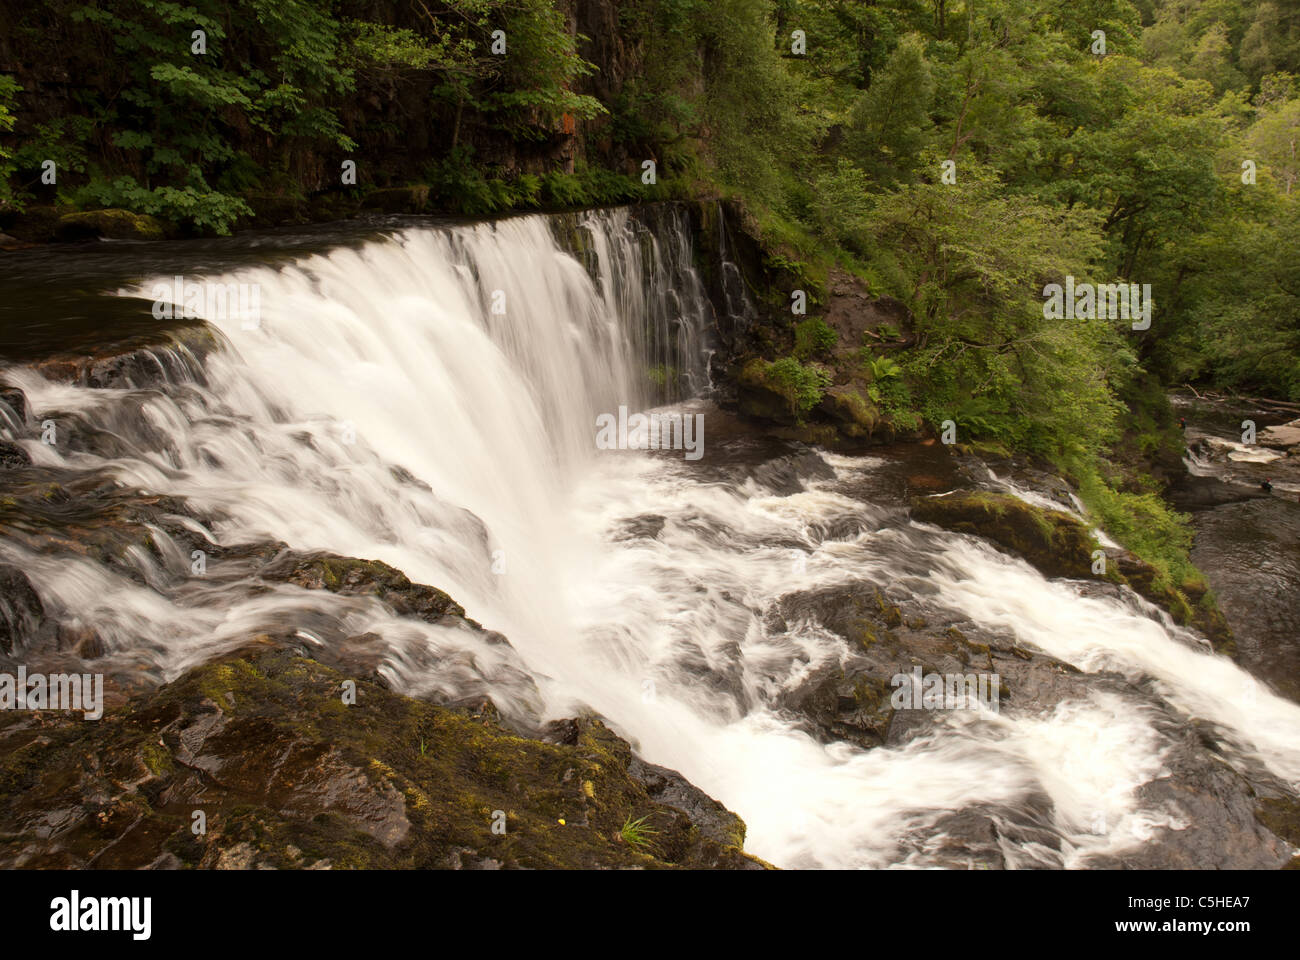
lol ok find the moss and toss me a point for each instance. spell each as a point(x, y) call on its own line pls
point(890, 612)
point(298, 782)
point(855, 414)
point(113, 224)
point(157, 758)
point(1282, 816)
point(783, 390)
point(1054, 542)
point(412, 199)
point(231, 684)
point(374, 578)
point(1058, 545)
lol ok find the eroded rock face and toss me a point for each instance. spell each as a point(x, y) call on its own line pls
point(287, 775)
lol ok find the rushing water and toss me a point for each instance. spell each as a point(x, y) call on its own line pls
point(429, 398)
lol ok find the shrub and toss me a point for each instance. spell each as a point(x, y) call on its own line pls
point(812, 337)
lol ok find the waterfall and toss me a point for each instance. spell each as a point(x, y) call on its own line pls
point(429, 399)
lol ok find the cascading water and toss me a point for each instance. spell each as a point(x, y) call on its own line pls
point(429, 400)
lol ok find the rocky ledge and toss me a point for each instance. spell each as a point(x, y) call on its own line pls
point(259, 761)
point(1059, 545)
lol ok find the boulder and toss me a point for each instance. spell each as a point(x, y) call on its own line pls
point(1055, 543)
point(112, 224)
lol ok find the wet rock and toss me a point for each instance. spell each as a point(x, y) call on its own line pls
point(763, 397)
point(414, 199)
point(1281, 815)
point(850, 411)
point(364, 578)
point(35, 223)
point(84, 642)
point(851, 701)
point(1055, 543)
point(333, 205)
point(982, 837)
point(21, 611)
point(1058, 545)
point(1214, 809)
point(273, 209)
point(12, 455)
point(287, 776)
point(788, 475)
point(174, 357)
point(648, 526)
point(853, 708)
point(1280, 437)
point(1198, 493)
point(16, 400)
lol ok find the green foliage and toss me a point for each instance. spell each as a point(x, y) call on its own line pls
point(978, 257)
point(882, 368)
point(205, 210)
point(637, 833)
point(803, 384)
point(1144, 524)
point(9, 88)
point(842, 206)
point(588, 186)
point(813, 338)
point(168, 129)
point(890, 122)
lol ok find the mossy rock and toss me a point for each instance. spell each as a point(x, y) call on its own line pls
point(855, 415)
point(289, 776)
point(35, 223)
point(762, 397)
point(1282, 816)
point(1058, 545)
point(1055, 543)
point(364, 578)
point(112, 224)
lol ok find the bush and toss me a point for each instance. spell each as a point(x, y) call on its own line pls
point(200, 209)
point(803, 385)
point(812, 337)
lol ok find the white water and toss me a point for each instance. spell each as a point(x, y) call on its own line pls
point(667, 638)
